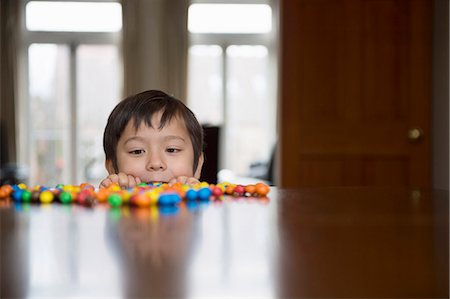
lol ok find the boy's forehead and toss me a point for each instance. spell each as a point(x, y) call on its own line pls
point(155, 120)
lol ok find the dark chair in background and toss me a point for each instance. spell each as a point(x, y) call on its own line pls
point(211, 152)
point(10, 173)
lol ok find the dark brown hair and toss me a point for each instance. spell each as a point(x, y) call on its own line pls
point(141, 107)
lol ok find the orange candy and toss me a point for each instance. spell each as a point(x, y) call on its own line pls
point(250, 189)
point(142, 200)
point(102, 195)
point(229, 190)
point(262, 189)
point(6, 191)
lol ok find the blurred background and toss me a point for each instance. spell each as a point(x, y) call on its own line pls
point(296, 93)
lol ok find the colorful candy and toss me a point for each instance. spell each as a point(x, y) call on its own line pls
point(143, 195)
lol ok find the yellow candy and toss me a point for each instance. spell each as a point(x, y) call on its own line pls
point(153, 195)
point(22, 186)
point(125, 196)
point(114, 188)
point(46, 196)
point(68, 188)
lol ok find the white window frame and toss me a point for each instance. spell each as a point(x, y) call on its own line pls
point(269, 40)
point(72, 40)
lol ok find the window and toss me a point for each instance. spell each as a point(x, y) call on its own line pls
point(232, 77)
point(71, 80)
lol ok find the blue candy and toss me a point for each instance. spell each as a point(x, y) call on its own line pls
point(17, 195)
point(204, 193)
point(191, 195)
point(169, 199)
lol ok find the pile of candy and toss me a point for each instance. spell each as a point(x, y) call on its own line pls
point(143, 195)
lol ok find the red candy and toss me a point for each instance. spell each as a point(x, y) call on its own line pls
point(216, 191)
point(239, 190)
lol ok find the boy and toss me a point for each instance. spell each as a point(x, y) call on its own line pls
point(152, 137)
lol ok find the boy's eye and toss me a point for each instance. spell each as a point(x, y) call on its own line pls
point(136, 152)
point(172, 150)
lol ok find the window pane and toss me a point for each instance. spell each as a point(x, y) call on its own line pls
point(215, 18)
point(98, 91)
point(49, 117)
point(73, 16)
point(205, 83)
point(250, 130)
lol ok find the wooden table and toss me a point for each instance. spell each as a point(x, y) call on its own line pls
point(335, 242)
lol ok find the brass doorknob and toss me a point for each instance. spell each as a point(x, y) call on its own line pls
point(415, 134)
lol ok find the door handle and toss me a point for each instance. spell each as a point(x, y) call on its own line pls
point(415, 134)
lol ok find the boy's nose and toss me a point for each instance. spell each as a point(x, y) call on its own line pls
point(155, 163)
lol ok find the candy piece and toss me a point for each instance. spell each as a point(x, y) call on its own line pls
point(90, 201)
point(46, 196)
point(35, 196)
point(115, 200)
point(86, 186)
point(217, 191)
point(5, 191)
point(65, 197)
point(26, 196)
point(262, 189)
point(239, 190)
point(102, 195)
point(153, 194)
point(229, 189)
point(250, 189)
point(204, 193)
point(191, 195)
point(17, 195)
point(86, 198)
point(169, 199)
point(142, 200)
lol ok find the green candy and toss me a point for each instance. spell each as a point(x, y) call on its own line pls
point(26, 196)
point(115, 200)
point(65, 197)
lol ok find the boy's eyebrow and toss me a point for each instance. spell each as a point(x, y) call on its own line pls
point(171, 137)
point(133, 138)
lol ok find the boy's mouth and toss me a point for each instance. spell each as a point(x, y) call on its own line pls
point(155, 181)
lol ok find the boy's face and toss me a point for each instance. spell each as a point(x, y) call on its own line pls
point(156, 155)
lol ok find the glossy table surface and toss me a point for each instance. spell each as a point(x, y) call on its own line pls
point(332, 242)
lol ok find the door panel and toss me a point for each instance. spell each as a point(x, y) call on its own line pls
point(355, 78)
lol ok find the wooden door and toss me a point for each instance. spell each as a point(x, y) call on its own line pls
point(355, 80)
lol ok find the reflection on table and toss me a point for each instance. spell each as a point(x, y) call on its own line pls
point(342, 242)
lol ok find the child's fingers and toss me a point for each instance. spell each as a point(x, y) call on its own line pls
point(105, 183)
point(114, 178)
point(192, 181)
point(133, 181)
point(123, 180)
point(182, 179)
point(172, 181)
